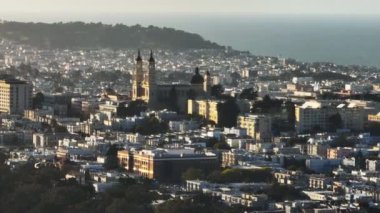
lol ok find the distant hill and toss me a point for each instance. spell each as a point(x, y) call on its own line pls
point(74, 35)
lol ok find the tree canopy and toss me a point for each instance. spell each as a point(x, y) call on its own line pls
point(241, 175)
point(151, 125)
point(228, 112)
point(75, 35)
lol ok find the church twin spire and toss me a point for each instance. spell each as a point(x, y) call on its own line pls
point(139, 58)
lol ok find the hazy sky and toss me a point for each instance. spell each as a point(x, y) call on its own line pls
point(364, 7)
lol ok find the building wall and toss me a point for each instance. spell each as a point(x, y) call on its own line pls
point(15, 96)
point(335, 153)
point(374, 118)
point(145, 87)
point(309, 118)
point(315, 114)
point(164, 168)
point(259, 127)
point(205, 108)
point(317, 149)
point(126, 159)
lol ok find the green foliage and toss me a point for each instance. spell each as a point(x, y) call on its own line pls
point(235, 76)
point(215, 144)
point(249, 94)
point(297, 140)
point(343, 141)
point(193, 174)
point(291, 114)
point(267, 106)
point(284, 192)
point(217, 90)
point(111, 158)
point(26, 189)
point(222, 145)
point(241, 175)
point(211, 142)
point(228, 112)
point(3, 158)
point(152, 126)
point(37, 100)
point(200, 203)
point(295, 164)
point(96, 35)
point(134, 108)
point(57, 128)
point(121, 111)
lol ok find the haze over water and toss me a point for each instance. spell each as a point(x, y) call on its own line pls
point(339, 39)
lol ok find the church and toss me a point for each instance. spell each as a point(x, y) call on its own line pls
point(157, 96)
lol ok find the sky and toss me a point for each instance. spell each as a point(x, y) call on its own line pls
point(347, 7)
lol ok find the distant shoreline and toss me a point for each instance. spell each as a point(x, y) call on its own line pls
point(346, 40)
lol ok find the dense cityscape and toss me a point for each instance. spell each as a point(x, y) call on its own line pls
point(196, 130)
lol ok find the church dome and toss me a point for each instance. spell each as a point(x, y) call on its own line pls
point(197, 78)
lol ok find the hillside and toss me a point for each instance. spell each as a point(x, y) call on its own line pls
point(74, 35)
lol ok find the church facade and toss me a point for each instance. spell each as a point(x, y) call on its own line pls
point(158, 96)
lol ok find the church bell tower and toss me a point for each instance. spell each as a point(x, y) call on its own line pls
point(152, 85)
point(138, 78)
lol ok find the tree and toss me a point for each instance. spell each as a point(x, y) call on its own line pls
point(111, 158)
point(235, 78)
point(211, 142)
point(151, 126)
point(193, 174)
point(234, 175)
point(249, 94)
point(284, 192)
point(297, 140)
point(217, 90)
point(76, 35)
point(27, 189)
point(3, 158)
point(291, 114)
point(57, 128)
point(136, 107)
point(267, 105)
point(37, 100)
point(343, 141)
point(228, 112)
point(222, 145)
point(121, 111)
point(200, 203)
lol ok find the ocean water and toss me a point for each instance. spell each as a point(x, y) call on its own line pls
point(339, 39)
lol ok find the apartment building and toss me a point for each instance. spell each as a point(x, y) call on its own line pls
point(259, 127)
point(166, 165)
point(15, 96)
point(317, 114)
point(205, 108)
